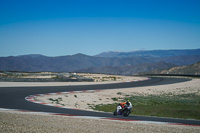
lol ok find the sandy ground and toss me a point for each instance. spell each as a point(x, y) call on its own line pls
point(21, 122)
point(89, 99)
point(100, 76)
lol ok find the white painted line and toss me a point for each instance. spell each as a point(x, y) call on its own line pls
point(90, 117)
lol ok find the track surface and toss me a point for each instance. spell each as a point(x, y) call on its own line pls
point(14, 98)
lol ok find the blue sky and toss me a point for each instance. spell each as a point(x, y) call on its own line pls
point(66, 27)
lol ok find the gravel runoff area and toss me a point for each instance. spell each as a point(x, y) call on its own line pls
point(20, 122)
point(14, 121)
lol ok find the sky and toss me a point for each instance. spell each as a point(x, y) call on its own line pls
point(67, 27)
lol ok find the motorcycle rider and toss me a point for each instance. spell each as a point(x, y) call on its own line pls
point(129, 105)
point(123, 108)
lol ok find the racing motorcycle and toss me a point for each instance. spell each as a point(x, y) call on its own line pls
point(124, 112)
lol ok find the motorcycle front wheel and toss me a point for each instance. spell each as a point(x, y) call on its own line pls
point(115, 113)
point(126, 112)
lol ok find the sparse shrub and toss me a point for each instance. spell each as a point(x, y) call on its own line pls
point(119, 93)
point(114, 99)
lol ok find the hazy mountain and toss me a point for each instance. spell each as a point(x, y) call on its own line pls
point(129, 70)
point(151, 53)
point(182, 60)
point(118, 63)
point(69, 63)
point(31, 55)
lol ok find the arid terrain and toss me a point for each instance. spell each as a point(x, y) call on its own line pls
point(18, 122)
point(90, 99)
point(14, 121)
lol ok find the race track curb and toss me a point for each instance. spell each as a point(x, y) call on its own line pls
point(31, 98)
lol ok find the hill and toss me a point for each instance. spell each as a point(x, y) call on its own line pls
point(151, 53)
point(123, 63)
point(193, 69)
point(129, 70)
point(68, 63)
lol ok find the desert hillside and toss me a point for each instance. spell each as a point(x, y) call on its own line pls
point(193, 69)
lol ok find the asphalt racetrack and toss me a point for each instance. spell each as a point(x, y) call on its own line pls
point(14, 98)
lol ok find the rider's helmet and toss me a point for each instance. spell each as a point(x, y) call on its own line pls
point(127, 103)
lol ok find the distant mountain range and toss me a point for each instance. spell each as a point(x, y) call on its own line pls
point(129, 70)
point(151, 53)
point(125, 63)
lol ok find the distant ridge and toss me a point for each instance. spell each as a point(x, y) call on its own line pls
point(131, 69)
point(31, 55)
point(151, 53)
point(125, 63)
point(193, 69)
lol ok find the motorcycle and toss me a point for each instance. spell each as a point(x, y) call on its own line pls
point(124, 112)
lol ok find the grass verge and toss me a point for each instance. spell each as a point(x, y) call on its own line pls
point(175, 106)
